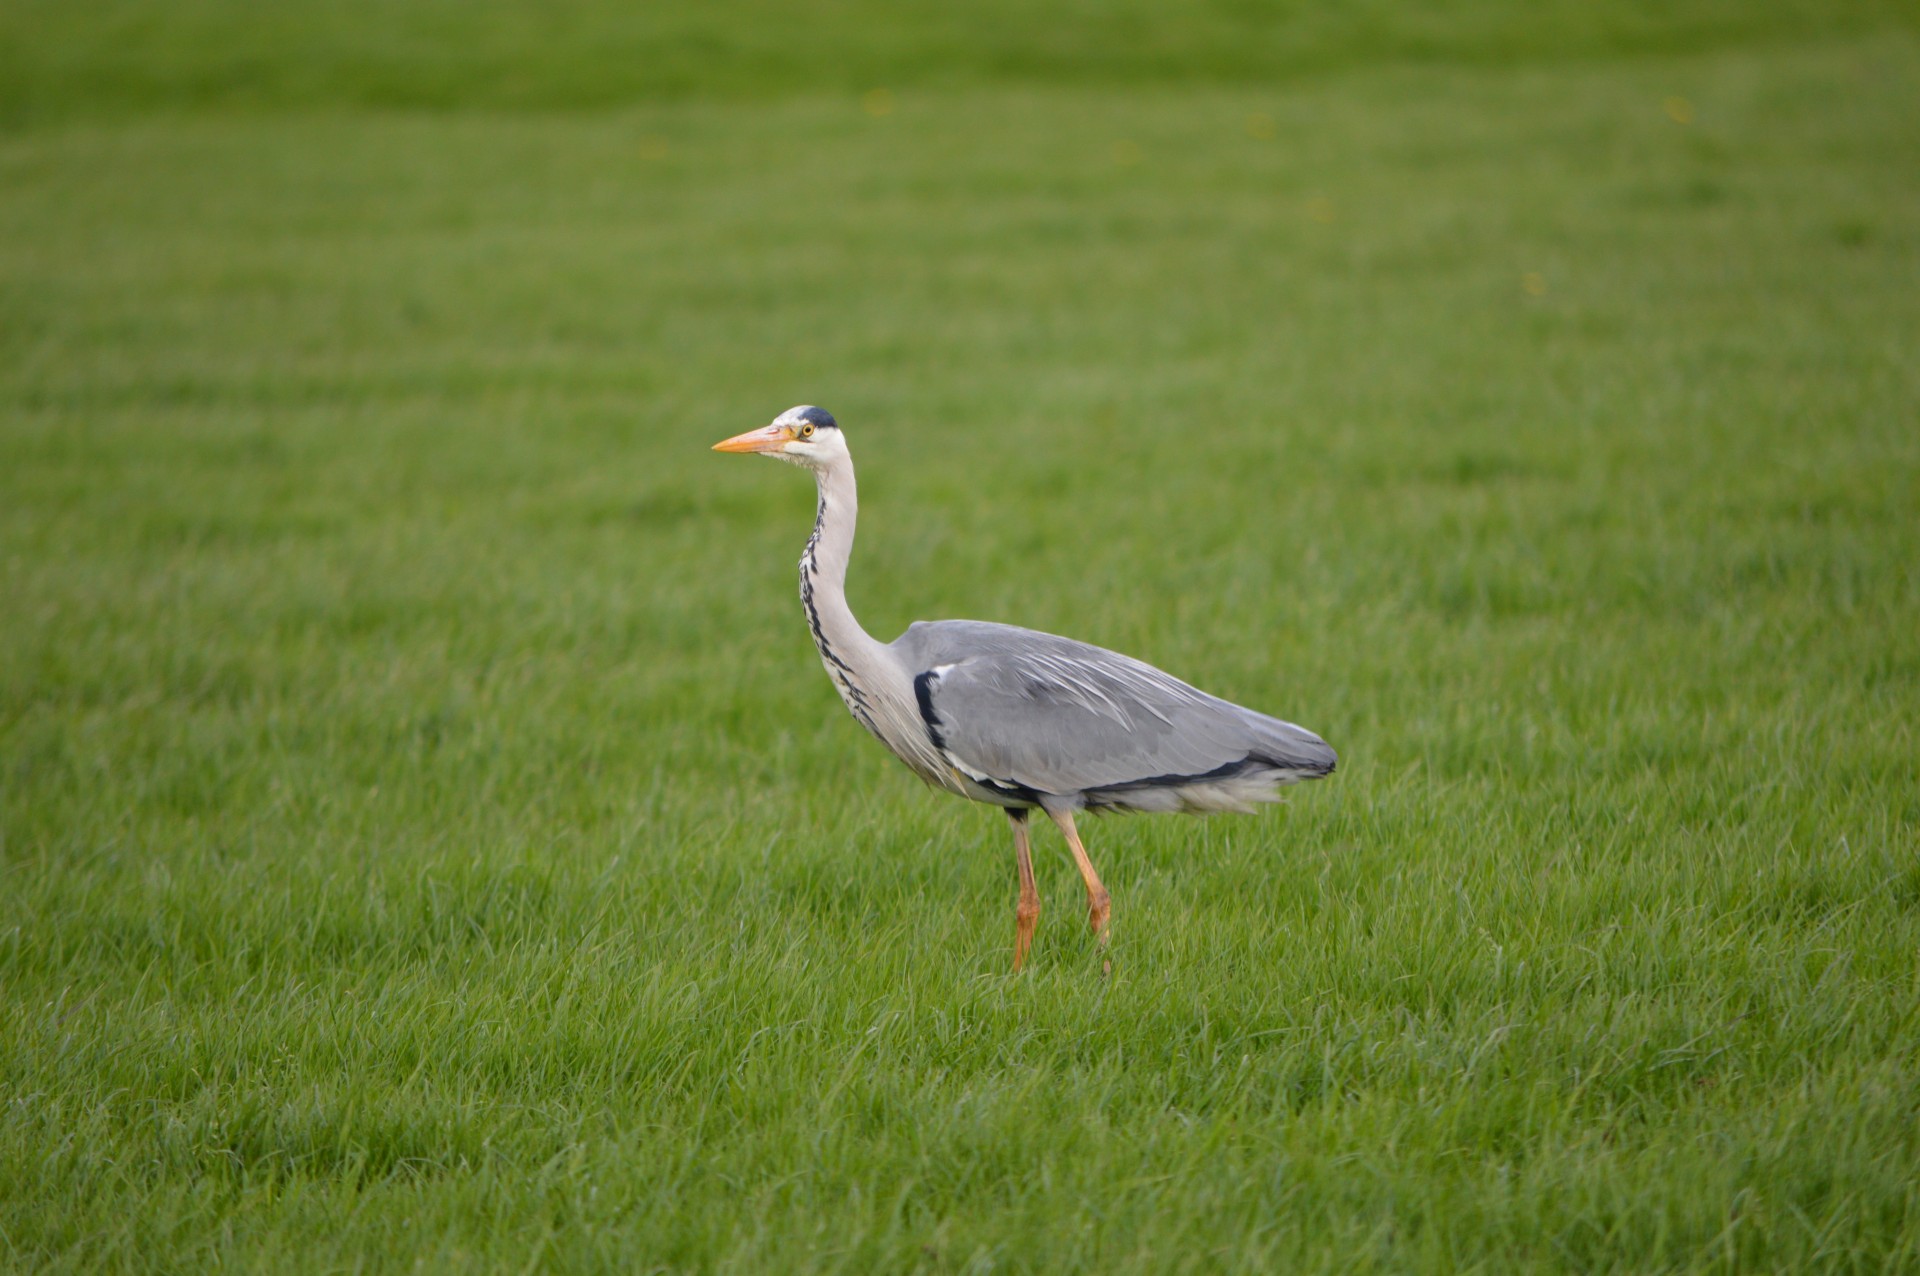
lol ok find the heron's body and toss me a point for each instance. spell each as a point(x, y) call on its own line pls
point(1023, 719)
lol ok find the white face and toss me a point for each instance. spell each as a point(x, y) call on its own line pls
point(802, 435)
point(809, 444)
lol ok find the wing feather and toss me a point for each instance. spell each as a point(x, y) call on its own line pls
point(1027, 710)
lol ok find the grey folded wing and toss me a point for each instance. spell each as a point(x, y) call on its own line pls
point(1035, 714)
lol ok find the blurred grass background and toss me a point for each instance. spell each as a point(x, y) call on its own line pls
point(115, 57)
point(427, 836)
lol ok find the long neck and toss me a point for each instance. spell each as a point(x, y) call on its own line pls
point(851, 656)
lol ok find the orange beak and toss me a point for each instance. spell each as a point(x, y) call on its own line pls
point(768, 439)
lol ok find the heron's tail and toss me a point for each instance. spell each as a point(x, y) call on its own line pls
point(1286, 746)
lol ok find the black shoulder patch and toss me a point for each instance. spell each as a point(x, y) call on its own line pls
point(923, 694)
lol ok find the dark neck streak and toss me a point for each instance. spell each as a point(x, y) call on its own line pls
point(840, 670)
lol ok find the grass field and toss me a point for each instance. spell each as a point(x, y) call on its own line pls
point(429, 839)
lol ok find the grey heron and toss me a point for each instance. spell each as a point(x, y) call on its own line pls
point(1021, 719)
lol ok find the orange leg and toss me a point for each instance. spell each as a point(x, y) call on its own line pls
point(1027, 915)
point(1098, 901)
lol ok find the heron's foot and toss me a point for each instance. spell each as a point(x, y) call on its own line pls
point(1099, 908)
point(1025, 918)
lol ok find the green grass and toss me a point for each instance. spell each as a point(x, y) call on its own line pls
point(429, 838)
point(90, 58)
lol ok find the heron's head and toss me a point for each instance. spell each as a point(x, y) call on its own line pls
point(804, 435)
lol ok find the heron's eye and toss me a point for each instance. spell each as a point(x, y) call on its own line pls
point(806, 431)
